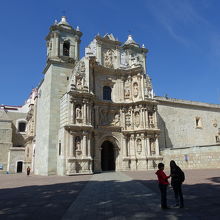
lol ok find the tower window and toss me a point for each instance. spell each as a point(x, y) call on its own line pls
point(107, 93)
point(21, 126)
point(198, 122)
point(59, 148)
point(66, 48)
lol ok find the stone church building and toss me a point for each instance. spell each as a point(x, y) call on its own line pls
point(99, 113)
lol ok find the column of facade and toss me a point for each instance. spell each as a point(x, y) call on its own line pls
point(71, 145)
point(143, 86)
point(131, 84)
point(132, 149)
point(124, 146)
point(72, 50)
point(143, 152)
point(99, 53)
point(57, 46)
point(84, 145)
point(140, 86)
point(155, 119)
point(87, 113)
point(141, 116)
point(89, 146)
point(72, 114)
point(148, 146)
point(146, 115)
point(157, 150)
point(132, 118)
point(77, 50)
point(53, 45)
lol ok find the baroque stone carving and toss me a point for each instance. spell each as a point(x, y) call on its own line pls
point(79, 71)
point(78, 114)
point(128, 119)
point(108, 59)
point(78, 145)
point(137, 118)
point(127, 89)
point(135, 89)
point(139, 146)
point(116, 120)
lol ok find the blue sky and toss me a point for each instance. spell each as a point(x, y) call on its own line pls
point(183, 38)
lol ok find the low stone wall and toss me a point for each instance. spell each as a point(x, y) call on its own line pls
point(193, 157)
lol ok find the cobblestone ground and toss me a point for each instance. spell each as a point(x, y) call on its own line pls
point(129, 195)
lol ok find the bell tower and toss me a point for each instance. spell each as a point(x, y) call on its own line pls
point(63, 43)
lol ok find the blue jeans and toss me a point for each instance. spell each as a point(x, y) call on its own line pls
point(163, 192)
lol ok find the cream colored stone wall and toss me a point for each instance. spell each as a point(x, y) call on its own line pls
point(177, 123)
point(194, 157)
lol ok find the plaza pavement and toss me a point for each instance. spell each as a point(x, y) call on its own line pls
point(110, 195)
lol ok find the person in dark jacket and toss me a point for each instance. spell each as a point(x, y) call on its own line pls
point(177, 178)
point(163, 183)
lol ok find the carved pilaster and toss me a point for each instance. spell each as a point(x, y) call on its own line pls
point(132, 146)
point(148, 146)
point(157, 150)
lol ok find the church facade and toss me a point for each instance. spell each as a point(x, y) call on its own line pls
point(96, 113)
point(99, 113)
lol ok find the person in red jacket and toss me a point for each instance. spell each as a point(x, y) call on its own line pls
point(163, 183)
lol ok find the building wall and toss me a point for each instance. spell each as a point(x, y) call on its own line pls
point(194, 157)
point(5, 143)
point(177, 123)
point(48, 118)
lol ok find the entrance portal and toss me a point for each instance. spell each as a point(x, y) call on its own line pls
point(107, 156)
point(19, 166)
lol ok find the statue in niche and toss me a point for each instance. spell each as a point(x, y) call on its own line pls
point(79, 83)
point(116, 119)
point(135, 89)
point(139, 146)
point(137, 119)
point(78, 112)
point(127, 92)
point(78, 145)
point(108, 59)
point(128, 120)
point(151, 119)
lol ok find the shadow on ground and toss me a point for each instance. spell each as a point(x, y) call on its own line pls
point(52, 201)
point(38, 202)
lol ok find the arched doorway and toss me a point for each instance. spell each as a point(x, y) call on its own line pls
point(107, 156)
point(19, 166)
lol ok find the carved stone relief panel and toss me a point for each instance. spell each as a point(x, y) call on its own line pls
point(79, 81)
point(151, 119)
point(128, 119)
point(116, 121)
point(109, 117)
point(108, 58)
point(127, 89)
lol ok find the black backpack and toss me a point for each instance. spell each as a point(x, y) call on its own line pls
point(182, 176)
